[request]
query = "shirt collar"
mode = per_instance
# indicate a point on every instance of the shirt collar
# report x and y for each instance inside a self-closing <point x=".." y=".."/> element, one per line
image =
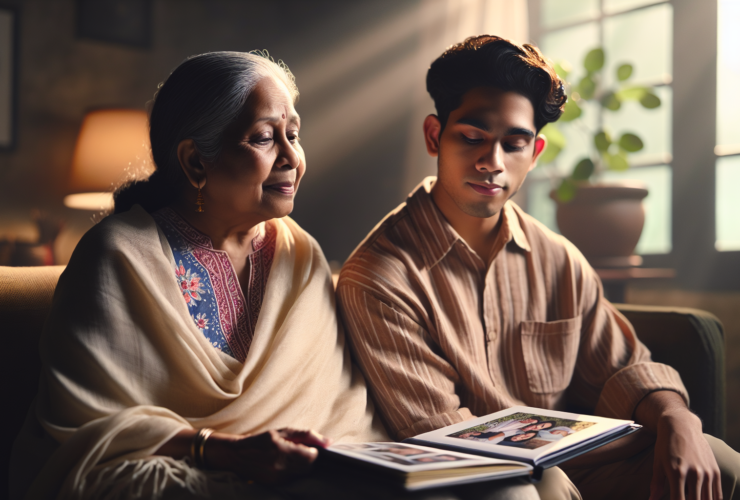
<point x="437" y="236"/>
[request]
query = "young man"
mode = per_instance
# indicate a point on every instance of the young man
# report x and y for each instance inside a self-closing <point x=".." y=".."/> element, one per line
<point x="458" y="304"/>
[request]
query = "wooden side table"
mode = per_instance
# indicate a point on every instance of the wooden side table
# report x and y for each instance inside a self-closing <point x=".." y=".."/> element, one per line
<point x="615" y="279"/>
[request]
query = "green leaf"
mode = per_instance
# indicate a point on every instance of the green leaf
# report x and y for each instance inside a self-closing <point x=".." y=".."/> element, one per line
<point x="566" y="191"/>
<point x="632" y="93"/>
<point x="563" y="69"/>
<point x="555" y="143"/>
<point x="549" y="154"/>
<point x="624" y="72"/>
<point x="583" y="170"/>
<point x="650" y="100"/>
<point x="554" y="136"/>
<point x="594" y="60"/>
<point x="617" y="161"/>
<point x="586" y="87"/>
<point x="571" y="111"/>
<point x="611" y="101"/>
<point x="630" y="142"/>
<point x="602" y="141"/>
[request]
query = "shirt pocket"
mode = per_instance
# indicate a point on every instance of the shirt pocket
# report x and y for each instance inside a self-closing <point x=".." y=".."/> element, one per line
<point x="550" y="350"/>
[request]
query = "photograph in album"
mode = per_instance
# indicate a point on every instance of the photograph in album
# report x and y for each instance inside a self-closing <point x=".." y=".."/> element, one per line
<point x="522" y="430"/>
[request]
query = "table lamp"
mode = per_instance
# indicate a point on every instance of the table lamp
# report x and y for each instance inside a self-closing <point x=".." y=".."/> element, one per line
<point x="112" y="147"/>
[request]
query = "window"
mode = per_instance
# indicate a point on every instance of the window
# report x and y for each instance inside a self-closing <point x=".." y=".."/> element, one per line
<point x="728" y="126"/>
<point x="634" y="31"/>
<point x="691" y="159"/>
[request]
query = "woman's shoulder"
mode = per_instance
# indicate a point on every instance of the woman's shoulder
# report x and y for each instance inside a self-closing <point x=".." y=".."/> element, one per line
<point x="131" y="231"/>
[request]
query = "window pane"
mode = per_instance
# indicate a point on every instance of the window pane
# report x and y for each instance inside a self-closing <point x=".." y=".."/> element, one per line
<point x="656" y="235"/>
<point x="571" y="45"/>
<point x="642" y="38"/>
<point x="728" y="203"/>
<point x="653" y="126"/>
<point x="579" y="139"/>
<point x="557" y="12"/>
<point x="539" y="204"/>
<point x="728" y="73"/>
<point x="612" y="6"/>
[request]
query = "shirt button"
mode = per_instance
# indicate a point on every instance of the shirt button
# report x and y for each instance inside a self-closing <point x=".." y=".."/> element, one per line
<point x="491" y="335"/>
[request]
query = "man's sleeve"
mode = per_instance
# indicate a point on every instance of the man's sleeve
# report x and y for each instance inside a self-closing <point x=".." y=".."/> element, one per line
<point x="413" y="387"/>
<point x="614" y="371"/>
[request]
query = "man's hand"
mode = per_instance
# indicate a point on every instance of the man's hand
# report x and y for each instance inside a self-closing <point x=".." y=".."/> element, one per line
<point x="683" y="458"/>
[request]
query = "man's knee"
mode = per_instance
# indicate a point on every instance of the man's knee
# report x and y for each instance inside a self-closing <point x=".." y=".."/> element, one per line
<point x="555" y="485"/>
<point x="728" y="461"/>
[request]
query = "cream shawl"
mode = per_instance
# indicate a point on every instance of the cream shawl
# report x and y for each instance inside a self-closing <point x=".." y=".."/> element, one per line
<point x="125" y="368"/>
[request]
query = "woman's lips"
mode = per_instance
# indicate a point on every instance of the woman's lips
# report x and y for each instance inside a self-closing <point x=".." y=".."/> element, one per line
<point x="282" y="187"/>
<point x="486" y="189"/>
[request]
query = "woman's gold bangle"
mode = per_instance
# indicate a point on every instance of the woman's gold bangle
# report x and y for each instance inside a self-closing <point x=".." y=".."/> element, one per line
<point x="197" y="447"/>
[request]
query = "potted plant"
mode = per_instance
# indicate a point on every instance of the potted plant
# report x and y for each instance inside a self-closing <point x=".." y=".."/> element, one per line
<point x="603" y="220"/>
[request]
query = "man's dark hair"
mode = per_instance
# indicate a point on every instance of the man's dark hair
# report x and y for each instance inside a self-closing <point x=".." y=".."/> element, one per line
<point x="492" y="61"/>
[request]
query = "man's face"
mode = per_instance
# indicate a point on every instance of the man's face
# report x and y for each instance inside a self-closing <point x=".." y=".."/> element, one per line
<point x="485" y="151"/>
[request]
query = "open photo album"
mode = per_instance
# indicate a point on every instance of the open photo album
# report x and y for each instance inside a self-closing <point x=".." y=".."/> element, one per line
<point x="518" y="441"/>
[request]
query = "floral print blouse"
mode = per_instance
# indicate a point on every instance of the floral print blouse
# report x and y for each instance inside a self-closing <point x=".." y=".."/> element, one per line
<point x="209" y="284"/>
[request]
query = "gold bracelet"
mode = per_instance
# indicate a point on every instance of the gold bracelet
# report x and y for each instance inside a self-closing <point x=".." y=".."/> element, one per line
<point x="197" y="447"/>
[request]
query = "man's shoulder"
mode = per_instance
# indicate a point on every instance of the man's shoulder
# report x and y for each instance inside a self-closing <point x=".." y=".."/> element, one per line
<point x="545" y="242"/>
<point x="388" y="239"/>
<point x="387" y="256"/>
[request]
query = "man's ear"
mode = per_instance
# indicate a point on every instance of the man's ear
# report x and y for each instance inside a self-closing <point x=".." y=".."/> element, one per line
<point x="540" y="143"/>
<point x="191" y="163"/>
<point x="432" y="129"/>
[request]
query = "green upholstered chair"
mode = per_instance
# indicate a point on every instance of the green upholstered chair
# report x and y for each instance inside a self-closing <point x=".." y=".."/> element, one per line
<point x="692" y="342"/>
<point x="689" y="340"/>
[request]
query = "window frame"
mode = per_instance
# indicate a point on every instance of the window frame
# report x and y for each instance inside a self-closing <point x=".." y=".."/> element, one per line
<point x="698" y="264"/>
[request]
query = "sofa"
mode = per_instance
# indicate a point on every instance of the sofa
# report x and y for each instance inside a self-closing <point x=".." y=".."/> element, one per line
<point x="689" y="340"/>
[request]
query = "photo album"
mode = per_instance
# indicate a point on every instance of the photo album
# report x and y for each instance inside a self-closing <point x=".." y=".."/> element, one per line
<point x="518" y="441"/>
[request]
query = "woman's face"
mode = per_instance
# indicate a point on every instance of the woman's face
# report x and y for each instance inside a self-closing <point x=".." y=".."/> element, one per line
<point x="523" y="437"/>
<point x="261" y="162"/>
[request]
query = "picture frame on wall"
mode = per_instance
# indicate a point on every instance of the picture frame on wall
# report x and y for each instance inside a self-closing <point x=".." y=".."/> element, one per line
<point x="8" y="76"/>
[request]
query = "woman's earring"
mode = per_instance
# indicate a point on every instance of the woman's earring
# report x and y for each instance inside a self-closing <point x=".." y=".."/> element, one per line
<point x="200" y="202"/>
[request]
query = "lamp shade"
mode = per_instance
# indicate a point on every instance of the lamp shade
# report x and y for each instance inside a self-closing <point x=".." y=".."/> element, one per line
<point x="112" y="146"/>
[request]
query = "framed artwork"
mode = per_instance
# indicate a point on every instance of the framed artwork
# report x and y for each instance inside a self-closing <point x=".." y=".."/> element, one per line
<point x="125" y="22"/>
<point x="8" y="76"/>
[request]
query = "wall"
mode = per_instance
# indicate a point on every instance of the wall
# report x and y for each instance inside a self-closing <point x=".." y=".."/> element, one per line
<point x="359" y="65"/>
<point x="62" y="76"/>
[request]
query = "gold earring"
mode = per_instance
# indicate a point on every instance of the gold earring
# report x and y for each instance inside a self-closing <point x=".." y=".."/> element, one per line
<point x="200" y="202"/>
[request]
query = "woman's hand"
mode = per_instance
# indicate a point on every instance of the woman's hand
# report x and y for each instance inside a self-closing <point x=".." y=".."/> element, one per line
<point x="269" y="457"/>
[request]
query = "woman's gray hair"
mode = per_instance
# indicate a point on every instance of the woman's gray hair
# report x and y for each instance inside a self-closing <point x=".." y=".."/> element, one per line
<point x="199" y="100"/>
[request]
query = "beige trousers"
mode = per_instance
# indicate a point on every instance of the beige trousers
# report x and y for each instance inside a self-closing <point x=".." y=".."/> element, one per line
<point x="630" y="479"/>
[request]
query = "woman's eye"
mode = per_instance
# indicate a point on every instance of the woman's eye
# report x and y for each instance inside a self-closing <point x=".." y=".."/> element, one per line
<point x="293" y="138"/>
<point x="262" y="140"/>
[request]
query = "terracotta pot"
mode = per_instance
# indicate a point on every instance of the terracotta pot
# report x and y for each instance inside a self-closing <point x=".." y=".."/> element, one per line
<point x="605" y="222"/>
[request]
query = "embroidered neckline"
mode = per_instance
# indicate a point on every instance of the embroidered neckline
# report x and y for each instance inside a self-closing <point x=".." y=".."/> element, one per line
<point x="198" y="238"/>
<point x="212" y="289"/>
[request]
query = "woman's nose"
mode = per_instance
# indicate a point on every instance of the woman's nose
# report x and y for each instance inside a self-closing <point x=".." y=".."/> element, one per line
<point x="289" y="154"/>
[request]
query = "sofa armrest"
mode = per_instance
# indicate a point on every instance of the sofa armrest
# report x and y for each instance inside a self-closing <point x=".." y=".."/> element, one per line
<point x="692" y="342"/>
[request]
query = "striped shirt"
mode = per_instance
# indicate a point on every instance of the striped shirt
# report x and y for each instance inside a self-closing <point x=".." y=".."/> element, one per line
<point x="441" y="336"/>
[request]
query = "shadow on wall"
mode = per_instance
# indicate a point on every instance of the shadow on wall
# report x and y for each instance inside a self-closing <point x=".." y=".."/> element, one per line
<point x="360" y="67"/>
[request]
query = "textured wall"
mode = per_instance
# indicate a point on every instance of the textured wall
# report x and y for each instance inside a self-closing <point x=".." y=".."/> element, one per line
<point x="348" y="57"/>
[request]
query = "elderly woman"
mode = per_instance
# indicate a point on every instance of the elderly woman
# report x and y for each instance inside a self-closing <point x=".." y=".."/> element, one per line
<point x="197" y="323"/>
